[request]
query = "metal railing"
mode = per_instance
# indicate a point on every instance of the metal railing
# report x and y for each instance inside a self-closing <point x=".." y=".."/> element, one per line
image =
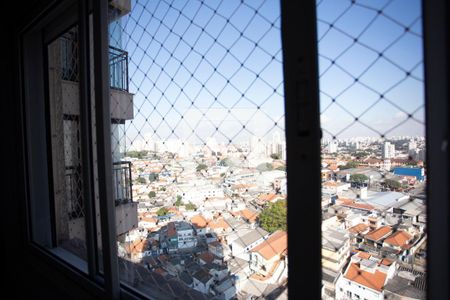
<point x="122" y="187"/>
<point x="118" y="63"/>
<point x="122" y="182"/>
<point x="75" y="207"/>
<point x="118" y="67"/>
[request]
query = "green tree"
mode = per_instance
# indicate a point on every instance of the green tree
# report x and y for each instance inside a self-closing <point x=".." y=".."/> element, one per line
<point x="163" y="188"/>
<point x="281" y="168"/>
<point x="350" y="165"/>
<point x="201" y="167"/>
<point x="275" y="156"/>
<point x="141" y="180"/>
<point x="137" y="154"/>
<point x="392" y="184"/>
<point x="153" y="177"/>
<point x="191" y="206"/>
<point x="152" y="194"/>
<point x="179" y="202"/>
<point x="358" y="178"/>
<point x="162" y="212"/>
<point x="274" y="217"/>
<point x="361" y="154"/>
<point x="140" y="170"/>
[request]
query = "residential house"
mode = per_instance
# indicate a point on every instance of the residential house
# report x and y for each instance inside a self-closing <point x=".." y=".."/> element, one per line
<point x="202" y="281"/>
<point x="241" y="246"/>
<point x="364" y="278"/>
<point x="375" y="237"/>
<point x="265" y="257"/>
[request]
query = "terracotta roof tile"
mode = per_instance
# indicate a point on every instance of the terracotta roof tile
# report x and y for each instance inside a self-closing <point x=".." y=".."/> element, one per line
<point x="374" y="280"/>
<point x="379" y="233"/>
<point x="249" y="215"/>
<point x="399" y="239"/>
<point x="199" y="221"/>
<point x="276" y="244"/>
<point x="359" y="228"/>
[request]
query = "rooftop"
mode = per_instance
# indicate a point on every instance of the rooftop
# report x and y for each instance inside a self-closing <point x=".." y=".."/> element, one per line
<point x="358" y="228"/>
<point x="333" y="239"/>
<point x="276" y="244"/>
<point x="379" y="233"/>
<point x="384" y="199"/>
<point x="371" y="280"/>
<point x="399" y="239"/>
<point x="251" y="237"/>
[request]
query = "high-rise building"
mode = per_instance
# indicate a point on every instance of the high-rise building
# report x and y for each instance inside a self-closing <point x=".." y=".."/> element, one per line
<point x="65" y="126"/>
<point x="388" y="150"/>
<point x="332" y="146"/>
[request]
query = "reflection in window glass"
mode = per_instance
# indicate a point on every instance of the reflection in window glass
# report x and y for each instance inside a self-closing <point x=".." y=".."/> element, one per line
<point x="63" y="103"/>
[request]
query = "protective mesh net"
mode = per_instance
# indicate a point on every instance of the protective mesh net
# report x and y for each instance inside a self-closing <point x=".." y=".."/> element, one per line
<point x="204" y="133"/>
<point x="373" y="146"/>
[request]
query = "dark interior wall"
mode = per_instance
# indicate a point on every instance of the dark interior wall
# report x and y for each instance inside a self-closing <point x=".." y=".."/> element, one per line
<point x="26" y="276"/>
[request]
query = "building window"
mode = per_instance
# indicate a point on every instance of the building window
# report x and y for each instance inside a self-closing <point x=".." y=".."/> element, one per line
<point x="76" y="188"/>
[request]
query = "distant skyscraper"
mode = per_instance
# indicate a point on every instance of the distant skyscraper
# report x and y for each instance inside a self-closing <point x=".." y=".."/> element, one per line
<point x="332" y="146"/>
<point x="388" y="150"/>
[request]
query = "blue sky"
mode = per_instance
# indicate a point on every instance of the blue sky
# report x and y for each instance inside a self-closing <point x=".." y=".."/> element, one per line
<point x="201" y="70"/>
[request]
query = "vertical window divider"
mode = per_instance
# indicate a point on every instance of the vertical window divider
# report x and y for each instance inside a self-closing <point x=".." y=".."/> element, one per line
<point x="436" y="71"/>
<point x="301" y="90"/>
<point x="103" y="138"/>
<point x="86" y="139"/>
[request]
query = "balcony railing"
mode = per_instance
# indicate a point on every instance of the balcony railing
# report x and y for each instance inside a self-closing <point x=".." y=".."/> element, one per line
<point x="122" y="182"/>
<point x="118" y="62"/>
<point x="118" y="67"/>
<point x="75" y="207"/>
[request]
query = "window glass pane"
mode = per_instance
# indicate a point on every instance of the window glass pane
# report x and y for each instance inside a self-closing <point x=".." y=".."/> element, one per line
<point x="198" y="145"/>
<point x="66" y="160"/>
<point x="373" y="149"/>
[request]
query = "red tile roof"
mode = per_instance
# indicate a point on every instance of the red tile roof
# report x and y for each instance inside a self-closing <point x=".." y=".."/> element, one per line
<point x="358" y="228"/>
<point x="207" y="257"/>
<point x="276" y="244"/>
<point x="249" y="215"/>
<point x="379" y="233"/>
<point x="357" y="205"/>
<point x="374" y="280"/>
<point x="218" y="223"/>
<point x="199" y="221"/>
<point x="399" y="239"/>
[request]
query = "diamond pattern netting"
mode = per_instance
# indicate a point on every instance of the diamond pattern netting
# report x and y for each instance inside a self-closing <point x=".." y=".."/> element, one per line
<point x="208" y="110"/>
<point x="363" y="77"/>
<point x="371" y="92"/>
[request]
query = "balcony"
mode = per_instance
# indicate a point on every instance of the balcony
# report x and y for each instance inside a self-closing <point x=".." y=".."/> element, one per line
<point x="126" y="209"/>
<point x="121" y="99"/>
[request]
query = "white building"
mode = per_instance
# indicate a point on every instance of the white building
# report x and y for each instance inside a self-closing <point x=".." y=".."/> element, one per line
<point x="198" y="194"/>
<point x="332" y="146"/>
<point x="265" y="257"/>
<point x="364" y="278"/>
<point x="388" y="150"/>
